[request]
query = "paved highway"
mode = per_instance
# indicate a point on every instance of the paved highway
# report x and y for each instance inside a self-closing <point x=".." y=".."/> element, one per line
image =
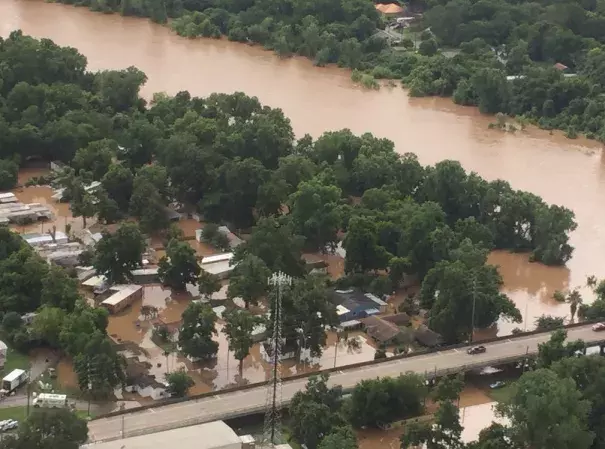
<point x="241" y="403"/>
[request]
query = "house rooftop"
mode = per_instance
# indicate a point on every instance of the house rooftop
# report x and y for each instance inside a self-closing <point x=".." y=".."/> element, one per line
<point x="400" y="319"/>
<point x="427" y="337"/>
<point x="353" y="299"/>
<point x="380" y="330"/>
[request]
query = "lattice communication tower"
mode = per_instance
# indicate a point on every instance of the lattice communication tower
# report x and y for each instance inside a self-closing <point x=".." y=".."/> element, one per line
<point x="272" y="429"/>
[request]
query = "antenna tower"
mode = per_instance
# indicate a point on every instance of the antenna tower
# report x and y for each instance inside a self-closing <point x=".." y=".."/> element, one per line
<point x="272" y="429"/>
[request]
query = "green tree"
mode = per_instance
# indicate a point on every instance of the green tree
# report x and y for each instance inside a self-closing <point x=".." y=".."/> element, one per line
<point x="117" y="182"/>
<point x="548" y="323"/>
<point x="428" y="47"/>
<point x="47" y="325"/>
<point x="60" y="290"/>
<point x="9" y="172"/>
<point x="179" y="383"/>
<point x="208" y="284"/>
<point x="315" y="411"/>
<point x="83" y="205"/>
<point x="198" y="328"/>
<point x="46" y="428"/>
<point x="444" y="433"/>
<point x="546" y="411"/>
<point x="275" y="242"/>
<point x="107" y="209"/>
<point x="239" y="325"/>
<point x="99" y="367"/>
<point x="118" y="254"/>
<point x="380" y="401"/>
<point x="557" y="348"/>
<point x="95" y="158"/>
<point x="179" y="266"/>
<point x="492" y="89"/>
<point x="453" y="289"/>
<point x="249" y="280"/>
<point x="315" y="214"/>
<point x="363" y="248"/>
<point x="589" y="375"/>
<point x="340" y="438"/>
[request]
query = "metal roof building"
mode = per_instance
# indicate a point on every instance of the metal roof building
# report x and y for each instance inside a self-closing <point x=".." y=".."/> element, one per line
<point x="212" y="435"/>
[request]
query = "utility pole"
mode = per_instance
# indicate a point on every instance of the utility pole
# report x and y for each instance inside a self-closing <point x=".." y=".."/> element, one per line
<point x="29" y="376"/>
<point x="272" y="427"/>
<point x="474" y="303"/>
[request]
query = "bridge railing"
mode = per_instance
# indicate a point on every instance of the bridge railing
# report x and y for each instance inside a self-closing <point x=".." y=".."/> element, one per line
<point x="426" y="351"/>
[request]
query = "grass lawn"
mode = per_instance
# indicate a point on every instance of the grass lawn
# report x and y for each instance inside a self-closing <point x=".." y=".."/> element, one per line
<point x="20" y="413"/>
<point x="15" y="360"/>
<point x="501" y="394"/>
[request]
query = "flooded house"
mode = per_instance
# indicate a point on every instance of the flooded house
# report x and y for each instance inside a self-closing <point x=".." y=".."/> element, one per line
<point x="383" y="332"/>
<point x="427" y="337"/>
<point x="288" y="351"/>
<point x="121" y="297"/>
<point x="138" y="380"/>
<point x="13" y="211"/>
<point x="353" y="305"/>
<point x="219" y="265"/>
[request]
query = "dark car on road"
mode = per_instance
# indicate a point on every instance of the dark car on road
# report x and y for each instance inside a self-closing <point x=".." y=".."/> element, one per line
<point x="476" y="350"/>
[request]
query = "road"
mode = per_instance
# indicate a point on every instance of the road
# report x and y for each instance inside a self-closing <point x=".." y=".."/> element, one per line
<point x="241" y="403"/>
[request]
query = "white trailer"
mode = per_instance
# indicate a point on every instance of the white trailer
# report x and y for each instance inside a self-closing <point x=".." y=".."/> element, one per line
<point x="50" y="400"/>
<point x="14" y="380"/>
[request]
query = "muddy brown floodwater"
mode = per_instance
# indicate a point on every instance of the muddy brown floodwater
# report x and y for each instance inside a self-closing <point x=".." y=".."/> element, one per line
<point x="562" y="171"/>
<point x="566" y="172"/>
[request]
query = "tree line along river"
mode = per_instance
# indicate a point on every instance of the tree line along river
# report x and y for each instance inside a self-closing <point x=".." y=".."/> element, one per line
<point x="561" y="171"/>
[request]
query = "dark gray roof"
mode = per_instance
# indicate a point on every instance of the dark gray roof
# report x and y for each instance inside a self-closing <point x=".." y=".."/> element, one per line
<point x="427" y="337"/>
<point x="354" y="299"/>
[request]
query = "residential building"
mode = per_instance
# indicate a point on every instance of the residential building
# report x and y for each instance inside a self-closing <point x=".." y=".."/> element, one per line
<point x="138" y="380"/>
<point x="37" y="239"/>
<point x="211" y="435"/>
<point x="427" y="337"/>
<point x="288" y="351"/>
<point x="382" y="331"/>
<point x="353" y="305"/>
<point x="12" y="211"/>
<point x="219" y="264"/>
<point x="122" y="296"/>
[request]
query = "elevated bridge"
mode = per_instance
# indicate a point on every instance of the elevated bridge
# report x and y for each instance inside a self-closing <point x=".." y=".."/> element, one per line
<point x="229" y="404"/>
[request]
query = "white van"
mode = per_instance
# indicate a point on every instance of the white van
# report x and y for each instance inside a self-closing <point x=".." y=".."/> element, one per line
<point x="50" y="400"/>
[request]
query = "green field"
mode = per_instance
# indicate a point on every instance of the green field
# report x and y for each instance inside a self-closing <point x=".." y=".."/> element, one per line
<point x="501" y="394"/>
<point x="20" y="413"/>
<point x="15" y="360"/>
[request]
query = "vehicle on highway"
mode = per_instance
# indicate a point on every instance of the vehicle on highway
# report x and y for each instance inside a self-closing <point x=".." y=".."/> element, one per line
<point x="598" y="327"/>
<point x="476" y="350"/>
<point x="498" y="384"/>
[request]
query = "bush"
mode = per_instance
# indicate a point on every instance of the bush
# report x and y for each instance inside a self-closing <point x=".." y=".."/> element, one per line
<point x="428" y="47"/>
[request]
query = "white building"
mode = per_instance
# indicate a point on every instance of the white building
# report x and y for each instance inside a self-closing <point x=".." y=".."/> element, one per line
<point x="219" y="265"/>
<point x="212" y="435"/>
<point x="122" y="297"/>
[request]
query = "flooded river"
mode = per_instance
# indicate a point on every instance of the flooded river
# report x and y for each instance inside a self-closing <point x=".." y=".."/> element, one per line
<point x="562" y="171"/>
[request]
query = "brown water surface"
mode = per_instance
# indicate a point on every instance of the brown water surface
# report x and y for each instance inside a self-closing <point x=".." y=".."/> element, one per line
<point x="562" y="171"/>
